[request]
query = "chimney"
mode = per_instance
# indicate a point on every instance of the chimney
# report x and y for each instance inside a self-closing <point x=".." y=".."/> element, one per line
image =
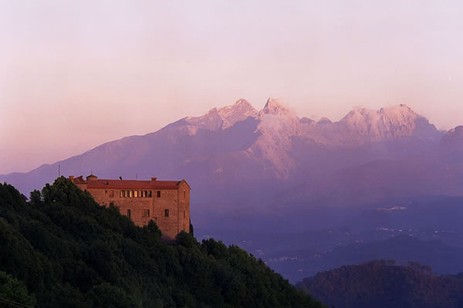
<point x="92" y="177"/>
<point x="154" y="179"/>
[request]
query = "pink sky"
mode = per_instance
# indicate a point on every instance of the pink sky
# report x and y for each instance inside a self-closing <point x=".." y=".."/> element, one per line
<point x="75" y="74"/>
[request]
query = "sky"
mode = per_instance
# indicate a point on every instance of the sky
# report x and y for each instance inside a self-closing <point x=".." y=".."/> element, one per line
<point x="76" y="74"/>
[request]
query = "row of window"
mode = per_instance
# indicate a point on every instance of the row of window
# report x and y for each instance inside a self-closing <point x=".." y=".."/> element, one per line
<point x="138" y="194"/>
<point x="146" y="213"/>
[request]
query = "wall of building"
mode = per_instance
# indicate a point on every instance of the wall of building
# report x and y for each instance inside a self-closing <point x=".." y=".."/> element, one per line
<point x="184" y="207"/>
<point x="169" y="208"/>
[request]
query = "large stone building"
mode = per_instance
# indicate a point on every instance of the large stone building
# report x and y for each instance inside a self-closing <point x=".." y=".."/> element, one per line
<point x="165" y="202"/>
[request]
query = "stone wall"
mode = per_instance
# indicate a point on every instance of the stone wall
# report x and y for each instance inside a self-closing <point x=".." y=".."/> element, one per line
<point x="169" y="208"/>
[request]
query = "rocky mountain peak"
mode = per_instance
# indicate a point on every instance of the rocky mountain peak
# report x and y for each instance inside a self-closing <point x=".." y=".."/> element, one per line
<point x="237" y="112"/>
<point x="210" y="121"/>
<point x="454" y="137"/>
<point x="275" y="107"/>
<point x="277" y="125"/>
<point x="222" y="118"/>
<point x="399" y="114"/>
<point x="386" y="123"/>
<point x="359" y="115"/>
<point x="456" y="132"/>
<point x="324" y="120"/>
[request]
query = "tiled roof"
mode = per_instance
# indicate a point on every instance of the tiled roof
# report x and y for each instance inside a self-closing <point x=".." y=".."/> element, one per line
<point x="127" y="184"/>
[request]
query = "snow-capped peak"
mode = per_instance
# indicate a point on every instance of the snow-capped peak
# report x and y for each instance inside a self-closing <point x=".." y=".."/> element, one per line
<point x="359" y="115"/>
<point x="397" y="121"/>
<point x="240" y="111"/>
<point x="224" y="117"/>
<point x="277" y="125"/>
<point x="399" y="114"/>
<point x="275" y="107"/>
<point x="277" y="117"/>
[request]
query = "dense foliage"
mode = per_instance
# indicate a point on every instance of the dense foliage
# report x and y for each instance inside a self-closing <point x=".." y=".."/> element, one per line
<point x="385" y="284"/>
<point x="63" y="250"/>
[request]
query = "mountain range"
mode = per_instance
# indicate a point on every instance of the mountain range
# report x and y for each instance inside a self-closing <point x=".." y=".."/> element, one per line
<point x="258" y="171"/>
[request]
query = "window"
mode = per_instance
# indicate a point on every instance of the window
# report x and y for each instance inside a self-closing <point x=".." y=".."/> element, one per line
<point x="130" y="193"/>
<point x="135" y="194"/>
<point x="129" y="213"/>
<point x="158" y="194"/>
<point x="166" y="213"/>
<point x="145" y="213"/>
<point x="150" y="194"/>
<point x="184" y="194"/>
<point x="111" y="194"/>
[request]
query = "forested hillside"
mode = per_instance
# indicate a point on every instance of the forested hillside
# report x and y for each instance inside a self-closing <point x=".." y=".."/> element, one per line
<point x="60" y="249"/>
<point x="385" y="284"/>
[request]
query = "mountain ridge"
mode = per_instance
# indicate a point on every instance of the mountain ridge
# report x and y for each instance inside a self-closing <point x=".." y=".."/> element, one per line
<point x="255" y="169"/>
<point x="267" y="138"/>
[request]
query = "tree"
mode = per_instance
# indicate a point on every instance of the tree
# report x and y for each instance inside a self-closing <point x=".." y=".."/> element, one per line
<point x="70" y="252"/>
<point x="35" y="197"/>
<point x="13" y="293"/>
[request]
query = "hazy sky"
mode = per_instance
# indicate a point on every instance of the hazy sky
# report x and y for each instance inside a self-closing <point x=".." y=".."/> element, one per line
<point x="75" y="74"/>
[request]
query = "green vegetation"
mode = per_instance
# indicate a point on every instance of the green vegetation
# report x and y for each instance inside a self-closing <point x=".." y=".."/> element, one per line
<point x="61" y="249"/>
<point x="385" y="284"/>
<point x="13" y="293"/>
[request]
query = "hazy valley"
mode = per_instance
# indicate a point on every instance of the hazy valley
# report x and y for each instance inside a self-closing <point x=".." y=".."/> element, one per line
<point x="302" y="195"/>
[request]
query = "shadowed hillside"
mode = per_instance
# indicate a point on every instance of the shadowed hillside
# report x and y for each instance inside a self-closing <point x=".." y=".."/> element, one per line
<point x="69" y="252"/>
<point x="383" y="284"/>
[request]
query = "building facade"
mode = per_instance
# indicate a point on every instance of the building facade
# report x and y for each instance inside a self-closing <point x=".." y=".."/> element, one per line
<point x="165" y="202"/>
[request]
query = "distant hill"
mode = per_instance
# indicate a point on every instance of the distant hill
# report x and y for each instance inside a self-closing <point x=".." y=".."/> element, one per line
<point x="61" y="249"/>
<point x="385" y="284"/>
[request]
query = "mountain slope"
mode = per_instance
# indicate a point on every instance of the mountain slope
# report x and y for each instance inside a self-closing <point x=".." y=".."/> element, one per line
<point x="243" y="163"/>
<point x="245" y="145"/>
<point x="387" y="123"/>
<point x="70" y="252"/>
<point x="254" y="170"/>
